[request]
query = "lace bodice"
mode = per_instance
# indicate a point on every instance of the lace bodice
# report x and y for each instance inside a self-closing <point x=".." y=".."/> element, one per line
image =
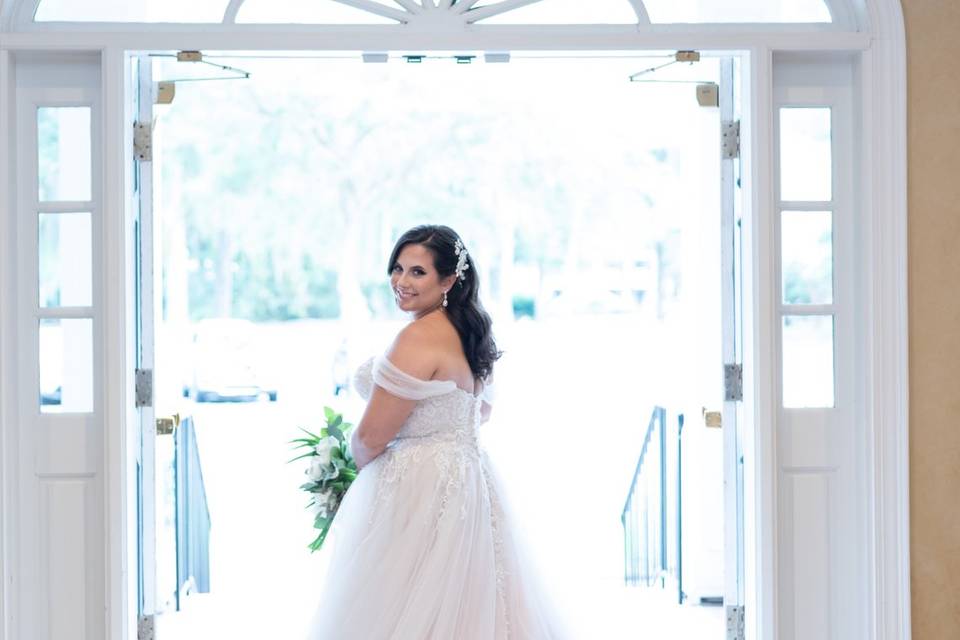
<point x="443" y="409"/>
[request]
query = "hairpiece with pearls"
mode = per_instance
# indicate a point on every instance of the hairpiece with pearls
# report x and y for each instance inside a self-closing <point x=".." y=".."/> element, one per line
<point x="462" y="265"/>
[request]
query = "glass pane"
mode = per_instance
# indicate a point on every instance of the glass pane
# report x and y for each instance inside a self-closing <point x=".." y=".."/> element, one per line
<point x="807" y="361"/>
<point x="568" y="12"/>
<point x="63" y="151"/>
<point x="131" y="11"/>
<point x="737" y="11"/>
<point x="806" y="166"/>
<point x="308" y="12"/>
<point x="66" y="365"/>
<point x="65" y="244"/>
<point x="806" y="250"/>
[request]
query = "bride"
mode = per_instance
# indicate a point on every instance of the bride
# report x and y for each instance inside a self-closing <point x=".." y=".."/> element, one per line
<point x="423" y="546"/>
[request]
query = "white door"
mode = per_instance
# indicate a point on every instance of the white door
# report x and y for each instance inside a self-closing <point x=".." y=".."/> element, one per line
<point x="150" y="600"/>
<point x="56" y="447"/>
<point x="169" y="511"/>
<point x="821" y="485"/>
<point x="731" y="340"/>
<point x="142" y="205"/>
<point x="702" y="460"/>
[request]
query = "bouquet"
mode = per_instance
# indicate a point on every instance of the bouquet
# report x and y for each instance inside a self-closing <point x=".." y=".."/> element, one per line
<point x="331" y="470"/>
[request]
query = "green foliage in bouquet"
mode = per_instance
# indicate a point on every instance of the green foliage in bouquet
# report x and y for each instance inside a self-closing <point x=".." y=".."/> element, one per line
<point x="331" y="470"/>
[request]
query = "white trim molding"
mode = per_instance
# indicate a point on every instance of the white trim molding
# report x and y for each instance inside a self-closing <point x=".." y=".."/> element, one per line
<point x="121" y="417"/>
<point x="884" y="85"/>
<point x="494" y="38"/>
<point x="759" y="318"/>
<point x="8" y="353"/>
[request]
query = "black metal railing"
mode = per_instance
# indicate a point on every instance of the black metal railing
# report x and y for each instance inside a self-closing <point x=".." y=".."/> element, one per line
<point x="192" y="515"/>
<point x="652" y="517"/>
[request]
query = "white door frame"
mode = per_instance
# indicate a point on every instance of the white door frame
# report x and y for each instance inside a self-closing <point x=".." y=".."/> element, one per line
<point x="882" y="111"/>
<point x="8" y="347"/>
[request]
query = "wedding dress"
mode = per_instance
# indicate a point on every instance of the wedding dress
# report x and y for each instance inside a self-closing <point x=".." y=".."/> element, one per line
<point x="422" y="547"/>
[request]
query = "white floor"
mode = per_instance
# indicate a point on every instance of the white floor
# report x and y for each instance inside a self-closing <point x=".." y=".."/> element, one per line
<point x="617" y="615"/>
<point x="264" y="582"/>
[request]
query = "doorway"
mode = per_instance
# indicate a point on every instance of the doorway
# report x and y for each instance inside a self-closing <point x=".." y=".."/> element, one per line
<point x="592" y="205"/>
<point x="67" y="481"/>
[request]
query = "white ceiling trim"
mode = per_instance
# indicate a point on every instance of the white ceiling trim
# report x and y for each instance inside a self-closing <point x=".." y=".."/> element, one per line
<point x="245" y="37"/>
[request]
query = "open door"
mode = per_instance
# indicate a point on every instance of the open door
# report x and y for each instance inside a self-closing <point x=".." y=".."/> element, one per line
<point x="692" y="455"/>
<point x="142" y="95"/>
<point x="732" y="422"/>
<point x="173" y="521"/>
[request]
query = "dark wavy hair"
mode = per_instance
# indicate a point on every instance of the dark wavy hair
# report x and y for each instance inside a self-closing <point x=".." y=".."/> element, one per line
<point x="468" y="316"/>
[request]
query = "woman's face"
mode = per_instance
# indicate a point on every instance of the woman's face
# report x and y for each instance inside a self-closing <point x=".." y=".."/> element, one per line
<point x="416" y="284"/>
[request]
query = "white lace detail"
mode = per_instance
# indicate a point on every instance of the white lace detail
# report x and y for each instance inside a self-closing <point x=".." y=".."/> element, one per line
<point x="498" y="544"/>
<point x="442" y="428"/>
<point x="453" y="457"/>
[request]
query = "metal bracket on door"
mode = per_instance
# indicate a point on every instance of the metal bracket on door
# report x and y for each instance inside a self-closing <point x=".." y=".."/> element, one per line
<point x="143" y="141"/>
<point x="730" y="138"/>
<point x="166" y="426"/>
<point x="733" y="382"/>
<point x="143" y="386"/>
<point x="146" y="630"/>
<point x="735" y="622"/>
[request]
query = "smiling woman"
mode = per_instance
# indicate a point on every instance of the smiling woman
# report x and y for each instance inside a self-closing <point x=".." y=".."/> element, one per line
<point x="431" y="269"/>
<point x="424" y="536"/>
<point x="416" y="283"/>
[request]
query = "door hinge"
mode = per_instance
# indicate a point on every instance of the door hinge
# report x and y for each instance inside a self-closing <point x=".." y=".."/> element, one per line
<point x="143" y="385"/>
<point x="143" y="141"/>
<point x="146" y="628"/>
<point x="732" y="382"/>
<point x="735" y="622"/>
<point x="730" y="139"/>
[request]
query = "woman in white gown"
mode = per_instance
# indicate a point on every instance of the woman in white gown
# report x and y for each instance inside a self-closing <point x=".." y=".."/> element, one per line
<point x="423" y="546"/>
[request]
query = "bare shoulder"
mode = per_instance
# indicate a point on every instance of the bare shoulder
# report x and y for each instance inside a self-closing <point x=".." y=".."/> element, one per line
<point x="414" y="350"/>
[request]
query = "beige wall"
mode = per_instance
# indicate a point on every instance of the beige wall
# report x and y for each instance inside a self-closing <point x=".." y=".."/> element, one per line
<point x="933" y="78"/>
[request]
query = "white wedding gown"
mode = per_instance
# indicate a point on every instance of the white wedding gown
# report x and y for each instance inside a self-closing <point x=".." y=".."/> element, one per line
<point x="423" y="545"/>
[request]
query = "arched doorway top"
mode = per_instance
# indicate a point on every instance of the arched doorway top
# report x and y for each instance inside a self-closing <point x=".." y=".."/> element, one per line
<point x="443" y="15"/>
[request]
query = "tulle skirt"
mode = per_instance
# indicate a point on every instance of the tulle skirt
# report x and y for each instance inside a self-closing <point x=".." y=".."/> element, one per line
<point x="423" y="547"/>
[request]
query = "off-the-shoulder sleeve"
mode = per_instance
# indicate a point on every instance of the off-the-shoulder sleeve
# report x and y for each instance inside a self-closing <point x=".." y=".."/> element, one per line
<point x="488" y="393"/>
<point x="403" y="385"/>
<point x="363" y="378"/>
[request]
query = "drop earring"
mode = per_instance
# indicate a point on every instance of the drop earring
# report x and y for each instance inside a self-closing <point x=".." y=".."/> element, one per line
<point x="444" y="298"/>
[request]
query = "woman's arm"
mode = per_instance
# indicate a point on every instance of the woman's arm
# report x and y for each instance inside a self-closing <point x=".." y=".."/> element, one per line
<point x="382" y="419"/>
<point x="385" y="412"/>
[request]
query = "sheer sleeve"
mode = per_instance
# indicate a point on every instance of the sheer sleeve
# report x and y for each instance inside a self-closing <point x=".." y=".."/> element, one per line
<point x="488" y="394"/>
<point x="363" y="378"/>
<point x="403" y="385"/>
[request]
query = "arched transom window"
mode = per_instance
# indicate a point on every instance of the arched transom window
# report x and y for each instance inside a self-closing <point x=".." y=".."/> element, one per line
<point x="436" y="13"/>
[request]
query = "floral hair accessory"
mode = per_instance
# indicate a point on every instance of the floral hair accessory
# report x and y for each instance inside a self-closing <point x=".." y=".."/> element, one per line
<point x="462" y="265"/>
